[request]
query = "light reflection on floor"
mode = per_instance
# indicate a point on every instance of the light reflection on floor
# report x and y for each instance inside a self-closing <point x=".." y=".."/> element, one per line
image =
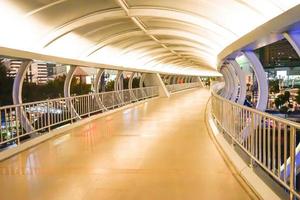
<point x="157" y="151"/>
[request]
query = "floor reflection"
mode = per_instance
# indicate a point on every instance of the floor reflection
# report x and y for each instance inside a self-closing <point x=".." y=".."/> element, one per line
<point x="157" y="150"/>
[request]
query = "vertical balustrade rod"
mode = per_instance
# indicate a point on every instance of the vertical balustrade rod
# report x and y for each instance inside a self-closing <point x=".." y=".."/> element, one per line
<point x="292" y="162"/>
<point x="48" y="116"/>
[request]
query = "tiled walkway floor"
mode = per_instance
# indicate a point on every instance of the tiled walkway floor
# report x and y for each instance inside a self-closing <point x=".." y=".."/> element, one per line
<point x="159" y="150"/>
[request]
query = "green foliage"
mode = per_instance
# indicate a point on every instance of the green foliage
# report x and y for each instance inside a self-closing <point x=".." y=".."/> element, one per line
<point x="109" y="85"/>
<point x="80" y="89"/>
<point x="125" y="83"/>
<point x="6" y="84"/>
<point x="136" y="82"/>
<point x="53" y="89"/>
<point x="5" y="135"/>
<point x="274" y="86"/>
<point x="281" y="100"/>
<point x="32" y="92"/>
<point x="287" y="96"/>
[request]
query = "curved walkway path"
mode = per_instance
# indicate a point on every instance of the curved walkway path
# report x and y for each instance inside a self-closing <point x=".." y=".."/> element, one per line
<point x="158" y="150"/>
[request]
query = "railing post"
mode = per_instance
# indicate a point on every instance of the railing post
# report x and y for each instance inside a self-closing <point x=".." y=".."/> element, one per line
<point x="222" y="109"/>
<point x="252" y="130"/>
<point x="70" y="107"/>
<point x="152" y="91"/>
<point x="292" y="162"/>
<point x="48" y="116"/>
<point x="17" y="125"/>
<point x="89" y="109"/>
<point x="102" y="101"/>
<point x="256" y="133"/>
<point x="232" y="126"/>
<point x="113" y="99"/>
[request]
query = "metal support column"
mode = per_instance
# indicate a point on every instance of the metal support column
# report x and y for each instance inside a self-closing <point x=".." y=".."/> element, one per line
<point x="118" y="86"/>
<point x="177" y="78"/>
<point x="97" y="85"/>
<point x="130" y="86"/>
<point x="294" y="39"/>
<point x="174" y="80"/>
<point x="17" y="95"/>
<point x="131" y="80"/>
<point x="142" y="80"/>
<point x="234" y="82"/>
<point x="67" y="91"/>
<point x="223" y="91"/>
<point x="169" y="80"/>
<point x="143" y="75"/>
<point x="200" y="81"/>
<point x="155" y="80"/>
<point x="231" y="85"/>
<point x="185" y="80"/>
<point x="227" y="84"/>
<point x="242" y="81"/>
<point x="263" y="88"/>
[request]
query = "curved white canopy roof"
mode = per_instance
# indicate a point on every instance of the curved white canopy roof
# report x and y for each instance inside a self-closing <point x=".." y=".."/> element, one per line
<point x="162" y="35"/>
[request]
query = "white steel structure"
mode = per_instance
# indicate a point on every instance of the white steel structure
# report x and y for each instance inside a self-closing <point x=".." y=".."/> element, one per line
<point x="166" y="45"/>
<point x="132" y="34"/>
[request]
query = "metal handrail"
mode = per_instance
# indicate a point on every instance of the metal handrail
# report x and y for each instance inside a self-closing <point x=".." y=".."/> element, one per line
<point x="291" y="123"/>
<point x="182" y="86"/>
<point x="44" y="116"/>
<point x="83" y="95"/>
<point x="269" y="141"/>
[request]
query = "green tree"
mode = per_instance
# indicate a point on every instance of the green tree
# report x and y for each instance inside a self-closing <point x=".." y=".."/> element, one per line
<point x="55" y="88"/>
<point x="280" y="100"/>
<point x="136" y="82"/>
<point x="52" y="89"/>
<point x="6" y="84"/>
<point x="274" y="86"/>
<point x="109" y="86"/>
<point x="80" y="88"/>
<point x="125" y="83"/>
<point x="287" y="96"/>
<point x="32" y="92"/>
